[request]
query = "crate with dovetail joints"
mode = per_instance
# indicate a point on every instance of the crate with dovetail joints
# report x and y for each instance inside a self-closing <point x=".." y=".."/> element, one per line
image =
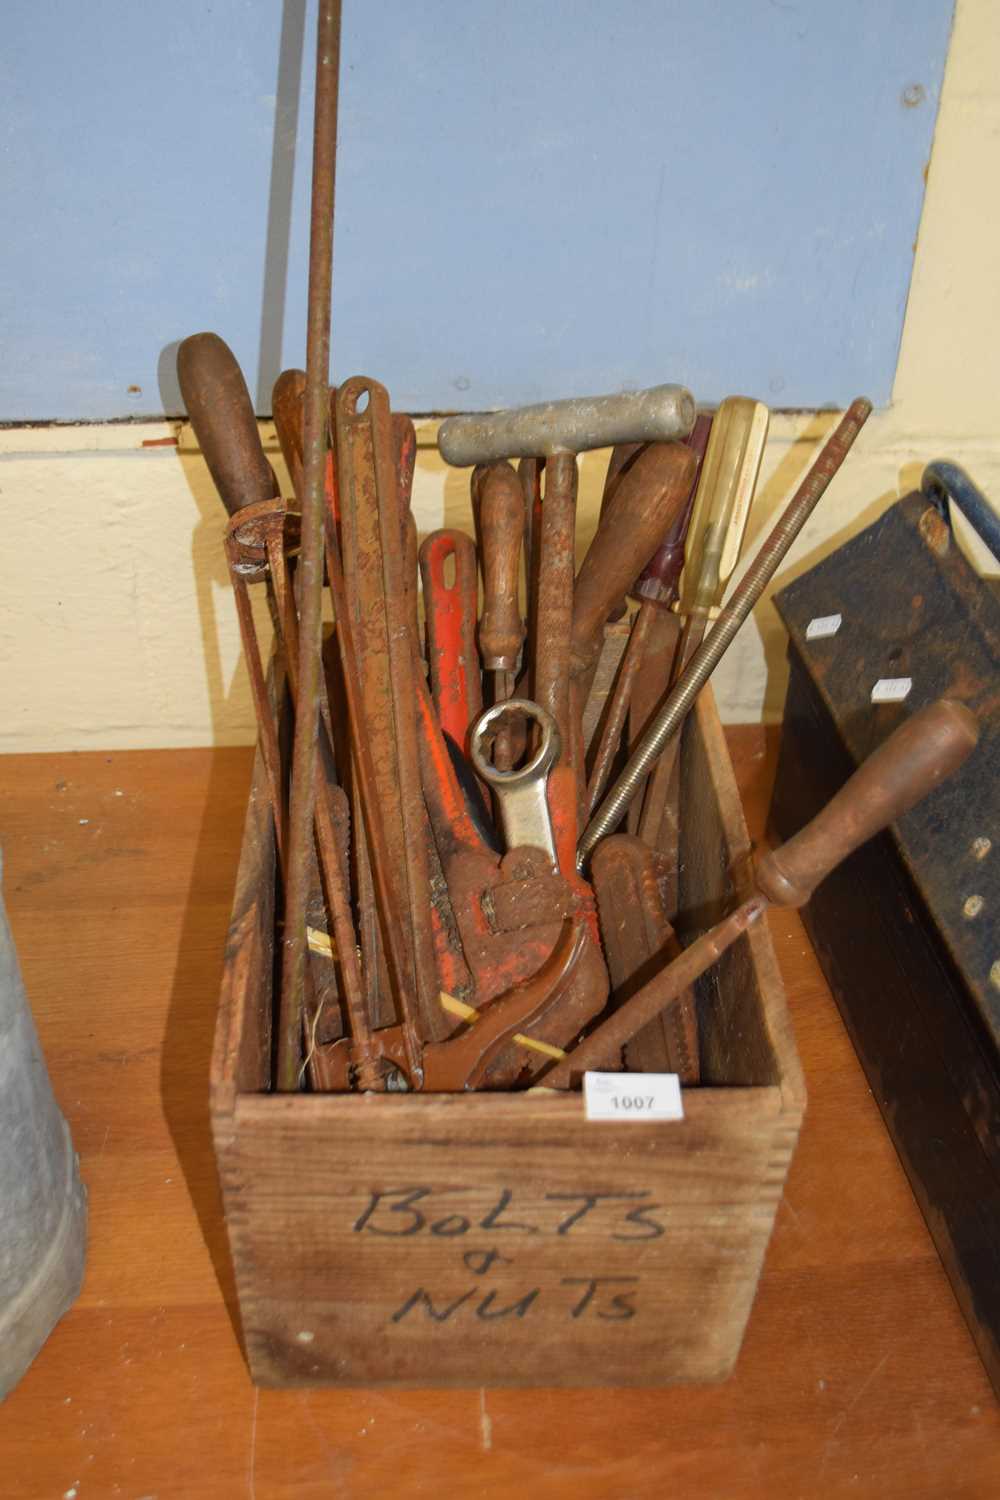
<point x="501" y="1238"/>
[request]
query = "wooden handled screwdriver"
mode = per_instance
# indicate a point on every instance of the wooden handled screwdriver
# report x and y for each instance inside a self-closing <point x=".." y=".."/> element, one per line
<point x="649" y="655"/>
<point x="500" y="514"/>
<point x="918" y="756"/>
<point x="718" y="524"/>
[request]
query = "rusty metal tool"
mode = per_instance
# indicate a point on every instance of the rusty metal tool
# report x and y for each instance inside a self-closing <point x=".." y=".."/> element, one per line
<point x="661" y="412"/>
<point x="287" y="399"/>
<point x="649" y="655"/>
<point x="558" y="431"/>
<point x="450" y="623"/>
<point x="637" y="938"/>
<point x="718" y="524"/>
<point x="919" y="755"/>
<point x="500" y="528"/>
<point x="380" y="630"/>
<point x="469" y="1058"/>
<point x="507" y="912"/>
<point x="310" y="568"/>
<point x="223" y="417"/>
<point x="679" y="701"/>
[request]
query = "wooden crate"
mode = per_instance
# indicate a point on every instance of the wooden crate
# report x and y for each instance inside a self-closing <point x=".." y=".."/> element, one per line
<point x="500" y="1239"/>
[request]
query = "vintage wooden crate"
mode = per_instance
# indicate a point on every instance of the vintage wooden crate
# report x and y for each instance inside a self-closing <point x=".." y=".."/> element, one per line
<point x="500" y="1239"/>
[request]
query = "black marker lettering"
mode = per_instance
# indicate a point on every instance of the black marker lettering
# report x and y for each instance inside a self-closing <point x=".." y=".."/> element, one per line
<point x="407" y="1196"/>
<point x="652" y="1227"/>
<point x="518" y="1308"/>
<point x="592" y="1283"/>
<point x="493" y="1220"/>
<point x="439" y="1315"/>
<point x="589" y="1202"/>
<point x="481" y="1261"/>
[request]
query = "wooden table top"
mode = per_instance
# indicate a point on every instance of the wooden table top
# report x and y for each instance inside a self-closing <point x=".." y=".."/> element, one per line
<point x="857" y="1378"/>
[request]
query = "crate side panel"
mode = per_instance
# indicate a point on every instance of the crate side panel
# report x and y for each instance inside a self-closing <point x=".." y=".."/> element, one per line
<point x="477" y="1240"/>
<point x="745" y="1028"/>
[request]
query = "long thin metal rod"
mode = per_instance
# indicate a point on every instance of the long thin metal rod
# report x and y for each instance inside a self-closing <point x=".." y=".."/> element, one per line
<point x="678" y="704"/>
<point x="310" y="570"/>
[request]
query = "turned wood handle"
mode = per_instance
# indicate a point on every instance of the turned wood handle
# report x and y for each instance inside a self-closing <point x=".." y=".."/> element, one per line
<point x="659" y="581"/>
<point x="912" y="761"/>
<point x="287" y="405"/>
<point x="501" y="530"/>
<point x="645" y="502"/>
<point x="222" y="415"/>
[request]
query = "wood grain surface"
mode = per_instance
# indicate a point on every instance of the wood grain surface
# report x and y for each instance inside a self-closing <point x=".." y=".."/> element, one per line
<point x="857" y="1377"/>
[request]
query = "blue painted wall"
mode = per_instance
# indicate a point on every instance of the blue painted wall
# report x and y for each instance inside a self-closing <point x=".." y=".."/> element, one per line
<point x="532" y="200"/>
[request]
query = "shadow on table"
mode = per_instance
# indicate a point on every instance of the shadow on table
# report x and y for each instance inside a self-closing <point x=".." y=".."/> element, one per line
<point x="187" y="1042"/>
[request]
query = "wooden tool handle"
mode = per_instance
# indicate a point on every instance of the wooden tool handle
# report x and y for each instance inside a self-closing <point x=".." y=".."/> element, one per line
<point x="645" y="503"/>
<point x="287" y="401"/>
<point x="660" y="579"/>
<point x="911" y="763"/>
<point x="222" y="415"/>
<point x="501" y="530"/>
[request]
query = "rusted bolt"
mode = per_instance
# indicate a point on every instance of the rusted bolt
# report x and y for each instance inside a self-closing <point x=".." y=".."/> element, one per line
<point x="972" y="907"/>
<point x="981" y="847"/>
<point x="995" y="975"/>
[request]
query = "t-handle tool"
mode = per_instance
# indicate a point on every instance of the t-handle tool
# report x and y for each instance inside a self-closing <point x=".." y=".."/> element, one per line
<point x="583" y="422"/>
<point x="916" y="758"/>
<point x="559" y="430"/>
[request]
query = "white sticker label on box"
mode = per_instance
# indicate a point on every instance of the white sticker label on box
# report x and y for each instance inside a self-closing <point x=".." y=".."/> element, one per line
<point x="632" y="1096"/>
<point x="891" y="689"/>
<point x="823" y="625"/>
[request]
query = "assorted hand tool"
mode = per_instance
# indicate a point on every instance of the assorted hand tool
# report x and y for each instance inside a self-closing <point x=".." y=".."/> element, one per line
<point x="425" y="944"/>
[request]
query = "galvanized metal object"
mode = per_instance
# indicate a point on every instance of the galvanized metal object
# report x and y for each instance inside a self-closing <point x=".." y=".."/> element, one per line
<point x="654" y="415"/>
<point x="43" y="1225"/>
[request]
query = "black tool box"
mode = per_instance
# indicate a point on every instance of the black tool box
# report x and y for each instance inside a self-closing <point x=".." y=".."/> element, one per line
<point x="908" y="929"/>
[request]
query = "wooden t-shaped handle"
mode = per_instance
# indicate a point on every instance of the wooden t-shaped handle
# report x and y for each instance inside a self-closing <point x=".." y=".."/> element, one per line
<point x="501" y="529"/>
<point x="222" y="415"/>
<point x="911" y="762"/>
<point x="645" y="502"/>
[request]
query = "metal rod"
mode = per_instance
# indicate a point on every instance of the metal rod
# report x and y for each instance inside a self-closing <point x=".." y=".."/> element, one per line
<point x="310" y="571"/>
<point x="677" y="706"/>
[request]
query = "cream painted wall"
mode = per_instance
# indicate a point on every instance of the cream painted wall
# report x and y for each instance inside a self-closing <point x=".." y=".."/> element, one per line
<point x="117" y="626"/>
